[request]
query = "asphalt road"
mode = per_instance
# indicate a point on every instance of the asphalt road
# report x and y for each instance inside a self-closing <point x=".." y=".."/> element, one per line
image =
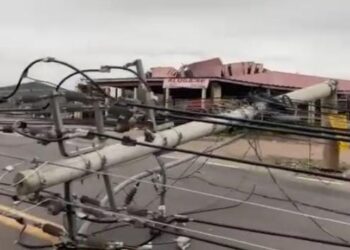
<point x="268" y="207"/>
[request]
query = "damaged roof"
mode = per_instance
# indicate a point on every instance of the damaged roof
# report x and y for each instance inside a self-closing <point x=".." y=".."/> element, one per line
<point x="239" y="73"/>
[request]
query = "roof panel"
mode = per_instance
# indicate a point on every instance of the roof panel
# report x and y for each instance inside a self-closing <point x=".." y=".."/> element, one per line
<point x="290" y="80"/>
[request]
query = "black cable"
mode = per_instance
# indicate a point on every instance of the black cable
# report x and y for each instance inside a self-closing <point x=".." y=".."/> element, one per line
<point x="16" y="129"/>
<point x="266" y="197"/>
<point x="220" y="157"/>
<point x="182" y="173"/>
<point x="298" y="209"/>
<point x="310" y="132"/>
<point x="129" y="70"/>
<point x="41" y="81"/>
<point x="82" y="72"/>
<point x="23" y="75"/>
<point x="153" y="237"/>
<point x="73" y="74"/>
<point x="90" y="80"/>
<point x="206" y="210"/>
<point x="48" y="59"/>
<point x="285" y="102"/>
<point x="179" y="232"/>
<point x="256" y="122"/>
<point x="275" y="101"/>
<point x="29" y="246"/>
<point x="181" y="176"/>
<point x="63" y="80"/>
<point x="298" y="140"/>
<point x="254" y="146"/>
<point x="206" y="240"/>
<point x="271" y="233"/>
<point x="98" y="221"/>
<point x="284" y="192"/>
<point x="174" y="232"/>
<point x="300" y="102"/>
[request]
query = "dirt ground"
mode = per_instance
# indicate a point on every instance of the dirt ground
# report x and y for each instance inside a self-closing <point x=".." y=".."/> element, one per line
<point x="296" y="151"/>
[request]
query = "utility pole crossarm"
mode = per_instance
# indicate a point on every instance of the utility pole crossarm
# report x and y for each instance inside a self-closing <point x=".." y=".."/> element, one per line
<point x="30" y="180"/>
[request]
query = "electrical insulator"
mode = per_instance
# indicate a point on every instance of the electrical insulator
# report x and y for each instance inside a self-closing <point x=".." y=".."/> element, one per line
<point x="52" y="230"/>
<point x="88" y="200"/>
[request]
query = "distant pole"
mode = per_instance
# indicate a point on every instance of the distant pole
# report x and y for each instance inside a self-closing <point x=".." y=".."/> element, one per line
<point x="167" y="97"/>
<point x="331" y="147"/>
<point x="311" y="113"/>
<point x="203" y="97"/>
<point x="135" y="94"/>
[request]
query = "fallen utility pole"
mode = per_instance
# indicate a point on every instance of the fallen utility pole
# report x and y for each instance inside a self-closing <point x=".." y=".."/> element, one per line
<point x="33" y="180"/>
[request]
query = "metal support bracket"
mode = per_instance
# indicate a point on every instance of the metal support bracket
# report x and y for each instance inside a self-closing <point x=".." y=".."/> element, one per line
<point x="146" y="98"/>
<point x="59" y="127"/>
<point x="107" y="182"/>
<point x="162" y="205"/>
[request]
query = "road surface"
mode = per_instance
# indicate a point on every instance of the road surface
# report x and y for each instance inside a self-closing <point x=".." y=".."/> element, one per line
<point x="268" y="208"/>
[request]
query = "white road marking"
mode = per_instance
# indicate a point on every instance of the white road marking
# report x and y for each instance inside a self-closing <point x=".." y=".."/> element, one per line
<point x="10" y="134"/>
<point x="320" y="180"/>
<point x="223" y="165"/>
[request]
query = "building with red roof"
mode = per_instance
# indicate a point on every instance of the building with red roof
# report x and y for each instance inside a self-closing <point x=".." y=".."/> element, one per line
<point x="219" y="80"/>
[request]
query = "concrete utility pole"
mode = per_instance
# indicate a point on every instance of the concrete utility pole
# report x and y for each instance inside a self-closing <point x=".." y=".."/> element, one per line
<point x="32" y="180"/>
<point x="331" y="147"/>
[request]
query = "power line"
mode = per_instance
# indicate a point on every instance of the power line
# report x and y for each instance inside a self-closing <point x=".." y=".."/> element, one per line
<point x="259" y="164"/>
<point x="206" y="210"/>
<point x="63" y="63"/>
<point x="298" y="209"/>
<point x="160" y="226"/>
<point x="260" y="195"/>
<point x="270" y="129"/>
<point x="207" y="194"/>
<point x="343" y="132"/>
<point x="50" y="60"/>
<point x="23" y="75"/>
<point x="215" y="196"/>
<point x="256" y="147"/>
<point x="271" y="233"/>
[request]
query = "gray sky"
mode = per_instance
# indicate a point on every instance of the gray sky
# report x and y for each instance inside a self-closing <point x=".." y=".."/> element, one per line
<point x="306" y="36"/>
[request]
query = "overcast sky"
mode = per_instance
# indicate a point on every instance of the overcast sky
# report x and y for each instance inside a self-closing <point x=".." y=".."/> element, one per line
<point x="306" y="36"/>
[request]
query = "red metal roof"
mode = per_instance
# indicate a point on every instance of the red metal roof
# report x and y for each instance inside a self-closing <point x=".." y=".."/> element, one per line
<point x="206" y="68"/>
<point x="244" y="73"/>
<point x="163" y="72"/>
<point x="289" y="80"/>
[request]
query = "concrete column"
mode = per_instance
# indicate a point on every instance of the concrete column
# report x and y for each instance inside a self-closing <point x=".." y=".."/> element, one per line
<point x="331" y="148"/>
<point x="268" y="92"/>
<point x="311" y="112"/>
<point x="78" y="115"/>
<point x="120" y="92"/>
<point x="203" y="97"/>
<point x="215" y="91"/>
<point x="166" y="97"/>
<point x="135" y="93"/>
<point x="113" y="92"/>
